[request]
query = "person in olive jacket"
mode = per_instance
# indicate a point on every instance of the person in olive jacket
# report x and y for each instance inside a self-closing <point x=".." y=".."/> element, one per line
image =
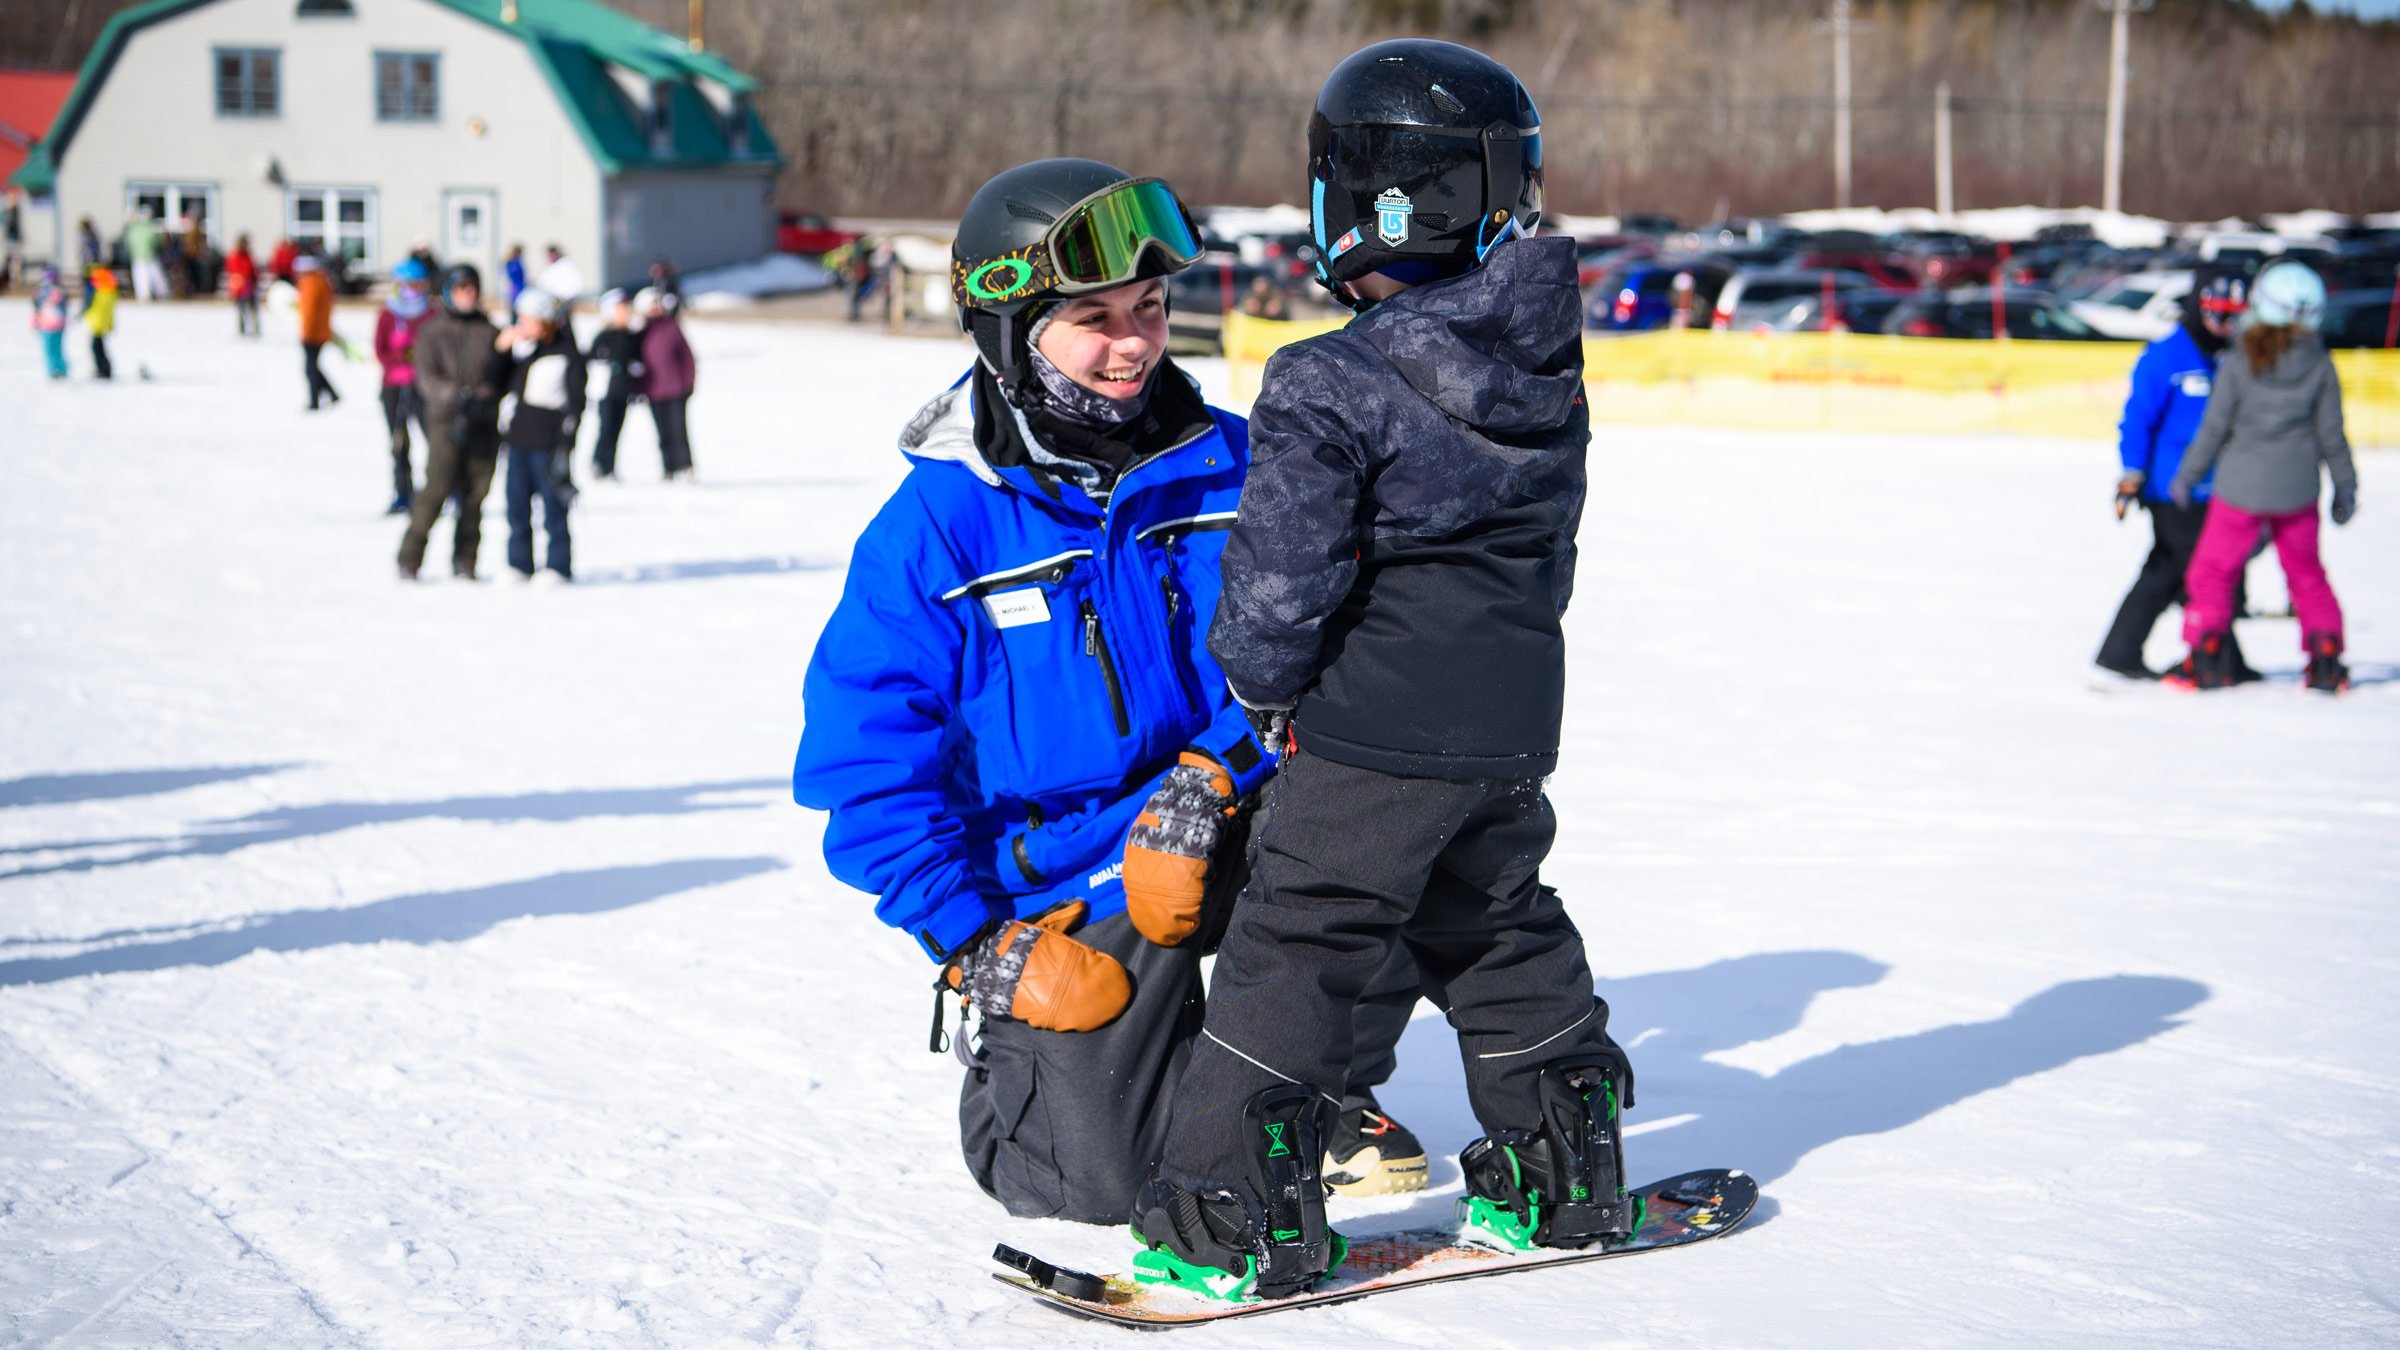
<point x="461" y="375"/>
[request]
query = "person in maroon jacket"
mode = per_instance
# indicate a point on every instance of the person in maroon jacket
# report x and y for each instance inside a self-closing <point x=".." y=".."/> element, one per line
<point x="667" y="379"/>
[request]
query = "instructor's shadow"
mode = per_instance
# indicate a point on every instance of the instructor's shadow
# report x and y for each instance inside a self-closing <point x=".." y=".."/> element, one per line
<point x="1765" y="1123"/>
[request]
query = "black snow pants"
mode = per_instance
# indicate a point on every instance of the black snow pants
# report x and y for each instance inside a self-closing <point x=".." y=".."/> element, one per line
<point x="1351" y="865"/>
<point x="1067" y="1124"/>
<point x="2174" y="532"/>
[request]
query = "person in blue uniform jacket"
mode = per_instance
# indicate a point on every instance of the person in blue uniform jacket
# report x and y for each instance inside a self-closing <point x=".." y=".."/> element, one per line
<point x="1017" y="679"/>
<point x="2171" y="383"/>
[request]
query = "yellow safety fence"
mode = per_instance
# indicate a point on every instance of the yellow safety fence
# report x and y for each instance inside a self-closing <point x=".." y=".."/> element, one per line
<point x="1863" y="382"/>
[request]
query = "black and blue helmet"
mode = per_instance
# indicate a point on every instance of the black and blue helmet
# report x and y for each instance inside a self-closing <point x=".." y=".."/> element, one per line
<point x="1422" y="156"/>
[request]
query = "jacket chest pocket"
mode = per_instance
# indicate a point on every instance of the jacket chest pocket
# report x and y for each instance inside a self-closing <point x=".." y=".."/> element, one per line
<point x="1047" y="699"/>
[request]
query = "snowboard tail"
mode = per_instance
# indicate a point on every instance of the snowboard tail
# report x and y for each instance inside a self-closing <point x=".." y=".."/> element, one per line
<point x="1677" y="1212"/>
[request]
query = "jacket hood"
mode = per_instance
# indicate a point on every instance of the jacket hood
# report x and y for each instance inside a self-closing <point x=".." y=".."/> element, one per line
<point x="1504" y="349"/>
<point x="944" y="430"/>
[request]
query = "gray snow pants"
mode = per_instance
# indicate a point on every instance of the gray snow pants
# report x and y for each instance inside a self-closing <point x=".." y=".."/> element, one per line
<point x="1067" y="1124"/>
<point x="1350" y="865"/>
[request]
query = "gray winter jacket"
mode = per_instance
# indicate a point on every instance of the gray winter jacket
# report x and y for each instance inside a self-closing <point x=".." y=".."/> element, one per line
<point x="2272" y="431"/>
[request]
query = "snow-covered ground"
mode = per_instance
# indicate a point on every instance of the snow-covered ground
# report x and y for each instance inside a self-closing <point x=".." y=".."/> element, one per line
<point x="446" y="965"/>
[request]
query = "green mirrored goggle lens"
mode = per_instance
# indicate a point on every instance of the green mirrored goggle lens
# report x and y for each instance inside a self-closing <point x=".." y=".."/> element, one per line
<point x="1101" y="241"/>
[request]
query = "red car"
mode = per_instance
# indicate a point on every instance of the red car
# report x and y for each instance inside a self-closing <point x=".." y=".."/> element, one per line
<point x="809" y="234"/>
<point x="1889" y="272"/>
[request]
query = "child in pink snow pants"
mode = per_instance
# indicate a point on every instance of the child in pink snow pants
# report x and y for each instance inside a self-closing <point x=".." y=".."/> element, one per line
<point x="2274" y="416"/>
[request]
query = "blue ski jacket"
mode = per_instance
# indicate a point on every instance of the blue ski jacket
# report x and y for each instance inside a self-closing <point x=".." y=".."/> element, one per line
<point x="1010" y="673"/>
<point x="2170" y="391"/>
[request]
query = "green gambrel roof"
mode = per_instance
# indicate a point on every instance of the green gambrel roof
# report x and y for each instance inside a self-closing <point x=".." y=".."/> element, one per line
<point x="572" y="41"/>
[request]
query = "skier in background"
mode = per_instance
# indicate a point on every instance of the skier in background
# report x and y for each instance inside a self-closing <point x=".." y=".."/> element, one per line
<point x="1392" y="604"/>
<point x="2171" y="383"/>
<point x="145" y="243"/>
<point x="316" y="326"/>
<point x="616" y="346"/>
<point x="2274" y="417"/>
<point x="461" y="374"/>
<point x="1015" y="675"/>
<point x="404" y="311"/>
<point x="545" y="388"/>
<point x="241" y="284"/>
<point x="512" y="268"/>
<point x="89" y="253"/>
<point x="50" y="322"/>
<point x="100" y="320"/>
<point x="669" y="374"/>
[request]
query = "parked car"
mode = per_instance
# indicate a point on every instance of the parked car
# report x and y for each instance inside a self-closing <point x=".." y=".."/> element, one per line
<point x="1947" y="262"/>
<point x="1754" y="298"/>
<point x="2143" y="307"/>
<point x="809" y="234"/>
<point x="1889" y="271"/>
<point x="2041" y="265"/>
<point x="2360" y="319"/>
<point x="2361" y="272"/>
<point x="2252" y="249"/>
<point x="1968" y="314"/>
<point x="1641" y="295"/>
<point x="1595" y="254"/>
<point x="1649" y="223"/>
<point x="1863" y="310"/>
<point x="1199" y="297"/>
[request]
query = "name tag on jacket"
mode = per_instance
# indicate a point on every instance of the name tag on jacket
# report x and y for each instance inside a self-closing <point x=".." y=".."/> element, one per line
<point x="1014" y="609"/>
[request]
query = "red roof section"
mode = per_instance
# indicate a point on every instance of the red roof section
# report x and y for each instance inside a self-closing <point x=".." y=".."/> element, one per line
<point x="29" y="101"/>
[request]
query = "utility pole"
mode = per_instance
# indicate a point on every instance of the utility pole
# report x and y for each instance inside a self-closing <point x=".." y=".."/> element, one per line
<point x="1841" y="101"/>
<point x="699" y="14"/>
<point x="1942" y="202"/>
<point x="2112" y="187"/>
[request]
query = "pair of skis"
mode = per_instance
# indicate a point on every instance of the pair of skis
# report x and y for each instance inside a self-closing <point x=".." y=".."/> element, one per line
<point x="1678" y="1212"/>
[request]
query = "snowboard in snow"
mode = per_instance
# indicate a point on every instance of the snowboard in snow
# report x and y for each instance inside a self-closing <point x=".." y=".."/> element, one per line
<point x="1679" y="1211"/>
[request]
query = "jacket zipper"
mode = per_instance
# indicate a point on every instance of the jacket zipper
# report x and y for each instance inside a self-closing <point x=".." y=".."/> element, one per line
<point x="1174" y="593"/>
<point x="1095" y="647"/>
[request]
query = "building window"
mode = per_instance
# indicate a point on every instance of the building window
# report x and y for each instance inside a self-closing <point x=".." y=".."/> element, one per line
<point x="408" y="86"/>
<point x="172" y="204"/>
<point x="311" y="9"/>
<point x="333" y="221"/>
<point x="662" y="118"/>
<point x="247" y="82"/>
<point x="737" y="126"/>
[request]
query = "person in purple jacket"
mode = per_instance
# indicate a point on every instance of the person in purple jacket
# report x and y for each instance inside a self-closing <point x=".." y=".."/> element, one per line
<point x="667" y="379"/>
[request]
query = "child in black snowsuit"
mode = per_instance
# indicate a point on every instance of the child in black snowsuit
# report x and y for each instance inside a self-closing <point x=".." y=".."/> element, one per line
<point x="547" y="384"/>
<point x="1394" y="588"/>
<point x="617" y="346"/>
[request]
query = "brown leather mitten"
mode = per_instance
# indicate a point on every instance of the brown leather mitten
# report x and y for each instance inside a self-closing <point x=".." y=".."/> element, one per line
<point x="1034" y="973"/>
<point x="1166" y="855"/>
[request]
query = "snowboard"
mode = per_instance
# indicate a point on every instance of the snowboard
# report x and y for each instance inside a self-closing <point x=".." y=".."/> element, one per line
<point x="1679" y="1211"/>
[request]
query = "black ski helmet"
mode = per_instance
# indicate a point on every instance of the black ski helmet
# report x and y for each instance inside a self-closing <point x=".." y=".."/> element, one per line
<point x="1420" y="152"/>
<point x="460" y="274"/>
<point x="1006" y="218"/>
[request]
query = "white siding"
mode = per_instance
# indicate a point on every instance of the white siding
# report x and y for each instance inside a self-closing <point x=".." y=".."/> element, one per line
<point x="699" y="220"/>
<point x="155" y="118"/>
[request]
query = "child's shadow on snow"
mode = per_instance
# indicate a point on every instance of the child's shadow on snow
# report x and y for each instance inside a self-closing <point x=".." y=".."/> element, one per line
<point x="1765" y="1123"/>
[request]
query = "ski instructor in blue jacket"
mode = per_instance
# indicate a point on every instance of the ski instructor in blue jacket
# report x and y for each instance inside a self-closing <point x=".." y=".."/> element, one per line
<point x="2171" y="383"/>
<point x="1028" y="754"/>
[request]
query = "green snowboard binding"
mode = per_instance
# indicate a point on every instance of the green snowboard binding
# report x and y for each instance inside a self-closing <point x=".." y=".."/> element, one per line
<point x="1268" y="1240"/>
<point x="1562" y="1187"/>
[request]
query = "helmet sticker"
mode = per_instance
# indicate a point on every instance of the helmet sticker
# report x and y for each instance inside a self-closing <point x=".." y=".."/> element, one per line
<point x="1346" y="243"/>
<point x="1391" y="216"/>
<point x="1020" y="276"/>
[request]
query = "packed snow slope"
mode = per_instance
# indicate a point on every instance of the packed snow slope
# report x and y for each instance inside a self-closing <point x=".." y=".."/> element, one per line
<point x="446" y="965"/>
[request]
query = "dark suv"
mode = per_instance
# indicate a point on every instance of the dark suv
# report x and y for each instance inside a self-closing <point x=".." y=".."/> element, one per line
<point x="1968" y="314"/>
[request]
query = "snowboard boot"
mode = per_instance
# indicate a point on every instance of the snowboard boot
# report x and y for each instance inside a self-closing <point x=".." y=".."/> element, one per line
<point x="1562" y="1185"/>
<point x="1369" y="1153"/>
<point x="1268" y="1240"/>
<point x="2325" y="668"/>
<point x="2208" y="666"/>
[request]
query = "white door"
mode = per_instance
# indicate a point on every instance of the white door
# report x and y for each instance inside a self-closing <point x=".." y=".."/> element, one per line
<point x="471" y="229"/>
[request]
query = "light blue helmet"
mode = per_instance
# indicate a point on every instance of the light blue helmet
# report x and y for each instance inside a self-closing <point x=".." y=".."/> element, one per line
<point x="2288" y="293"/>
<point x="410" y="270"/>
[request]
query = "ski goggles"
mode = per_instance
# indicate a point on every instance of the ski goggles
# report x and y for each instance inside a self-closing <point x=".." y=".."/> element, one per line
<point x="1098" y="243"/>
